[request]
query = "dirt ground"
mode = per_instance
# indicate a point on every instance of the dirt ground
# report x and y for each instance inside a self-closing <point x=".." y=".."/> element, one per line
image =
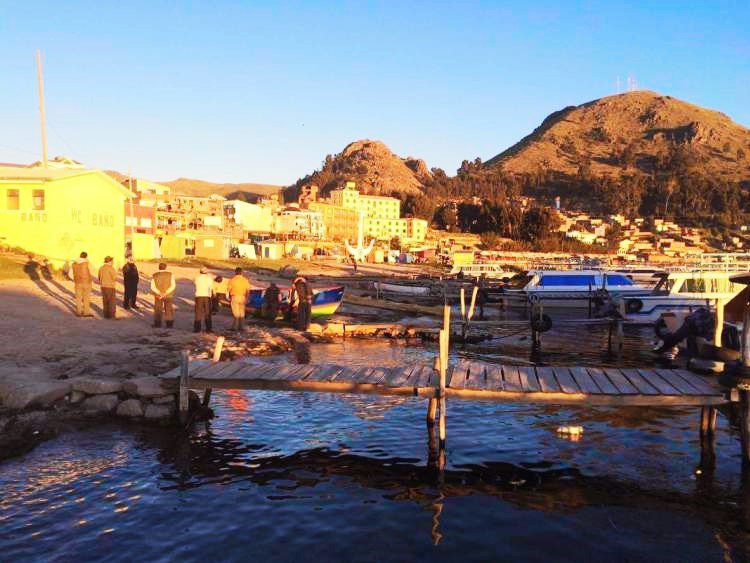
<point x="38" y="325"/>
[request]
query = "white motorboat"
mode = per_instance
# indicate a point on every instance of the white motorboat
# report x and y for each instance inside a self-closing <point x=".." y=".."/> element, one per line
<point x="479" y="269"/>
<point x="575" y="288"/>
<point x="679" y="293"/>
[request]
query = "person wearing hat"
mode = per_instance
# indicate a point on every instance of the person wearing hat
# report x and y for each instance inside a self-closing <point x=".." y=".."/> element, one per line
<point x="238" y="289"/>
<point x="107" y="280"/>
<point x="203" y="291"/>
<point x="82" y="278"/>
<point x="130" y="280"/>
<point x="300" y="302"/>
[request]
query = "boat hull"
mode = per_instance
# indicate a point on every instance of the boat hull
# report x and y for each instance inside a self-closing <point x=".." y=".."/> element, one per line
<point x="325" y="303"/>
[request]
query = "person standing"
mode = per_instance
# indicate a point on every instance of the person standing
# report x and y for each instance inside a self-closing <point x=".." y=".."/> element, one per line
<point x="238" y="288"/>
<point x="203" y="291"/>
<point x="82" y="278"/>
<point x="220" y="293"/>
<point x="163" y="286"/>
<point x="301" y="296"/>
<point x="271" y="302"/>
<point x="108" y="280"/>
<point x="130" y="279"/>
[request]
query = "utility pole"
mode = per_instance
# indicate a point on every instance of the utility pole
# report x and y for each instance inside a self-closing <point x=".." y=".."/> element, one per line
<point x="40" y="80"/>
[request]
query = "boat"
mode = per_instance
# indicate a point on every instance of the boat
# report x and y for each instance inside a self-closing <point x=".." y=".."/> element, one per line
<point x="575" y="288"/>
<point x="402" y="288"/>
<point x="478" y="269"/>
<point x="679" y="293"/>
<point x="641" y="274"/>
<point x="325" y="301"/>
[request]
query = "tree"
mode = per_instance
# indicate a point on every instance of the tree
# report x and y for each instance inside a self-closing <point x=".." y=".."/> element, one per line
<point x="395" y="243"/>
<point x="537" y="223"/>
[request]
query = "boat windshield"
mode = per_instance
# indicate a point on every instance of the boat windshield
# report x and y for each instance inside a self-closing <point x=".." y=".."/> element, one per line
<point x="617" y="279"/>
<point x="577" y="280"/>
<point x="707" y="285"/>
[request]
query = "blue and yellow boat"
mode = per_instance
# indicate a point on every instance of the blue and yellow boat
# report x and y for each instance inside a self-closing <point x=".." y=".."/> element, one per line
<point x="325" y="302"/>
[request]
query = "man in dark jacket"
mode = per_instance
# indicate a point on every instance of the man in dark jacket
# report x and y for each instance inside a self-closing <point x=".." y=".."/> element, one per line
<point x="300" y="298"/>
<point x="130" y="279"/>
<point x="271" y="302"/>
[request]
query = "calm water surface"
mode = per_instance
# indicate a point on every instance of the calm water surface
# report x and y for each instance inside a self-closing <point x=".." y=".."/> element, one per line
<point x="282" y="476"/>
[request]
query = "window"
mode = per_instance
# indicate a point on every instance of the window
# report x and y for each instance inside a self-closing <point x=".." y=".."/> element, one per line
<point x="617" y="279"/>
<point x="570" y="280"/>
<point x="13" y="203"/>
<point x="697" y="285"/>
<point x="38" y="200"/>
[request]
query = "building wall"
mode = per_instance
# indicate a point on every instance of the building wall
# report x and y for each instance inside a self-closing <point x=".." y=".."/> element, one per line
<point x="208" y="246"/>
<point x="253" y="218"/>
<point x="341" y="223"/>
<point x="83" y="212"/>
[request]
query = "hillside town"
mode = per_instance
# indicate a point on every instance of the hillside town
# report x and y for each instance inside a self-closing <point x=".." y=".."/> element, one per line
<point x="57" y="210"/>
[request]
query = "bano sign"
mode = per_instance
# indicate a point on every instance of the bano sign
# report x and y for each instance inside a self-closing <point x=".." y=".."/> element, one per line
<point x="97" y="219"/>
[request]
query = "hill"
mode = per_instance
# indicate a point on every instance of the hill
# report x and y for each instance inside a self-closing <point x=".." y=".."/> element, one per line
<point x="375" y="168"/>
<point x="189" y="186"/>
<point x="637" y="150"/>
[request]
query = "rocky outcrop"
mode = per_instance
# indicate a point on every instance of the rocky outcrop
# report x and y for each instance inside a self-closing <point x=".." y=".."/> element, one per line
<point x="23" y="387"/>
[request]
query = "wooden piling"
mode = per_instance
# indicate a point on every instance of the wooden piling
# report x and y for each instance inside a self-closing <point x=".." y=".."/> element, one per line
<point x="620" y="329"/>
<point x="431" y="411"/>
<point x="719" y="330"/>
<point x="444" y="347"/>
<point x="217" y="348"/>
<point x="184" y="402"/>
<point x="708" y="421"/>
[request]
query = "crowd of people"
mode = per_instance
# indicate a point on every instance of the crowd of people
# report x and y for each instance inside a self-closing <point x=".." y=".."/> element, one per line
<point x="210" y="293"/>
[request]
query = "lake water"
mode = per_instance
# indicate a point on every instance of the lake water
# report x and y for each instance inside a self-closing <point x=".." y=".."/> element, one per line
<point x="304" y="476"/>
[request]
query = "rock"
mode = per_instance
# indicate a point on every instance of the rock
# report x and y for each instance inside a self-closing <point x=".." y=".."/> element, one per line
<point x="158" y="412"/>
<point x="145" y="387"/>
<point x="106" y="370"/>
<point x="334" y="329"/>
<point x="131" y="408"/>
<point x="101" y="403"/>
<point x="315" y="329"/>
<point x="166" y="399"/>
<point x="97" y="385"/>
<point x="21" y="394"/>
<point x="76" y="397"/>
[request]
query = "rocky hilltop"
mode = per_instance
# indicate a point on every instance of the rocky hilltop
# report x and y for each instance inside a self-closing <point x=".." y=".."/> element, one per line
<point x="375" y="168"/>
<point x="628" y="134"/>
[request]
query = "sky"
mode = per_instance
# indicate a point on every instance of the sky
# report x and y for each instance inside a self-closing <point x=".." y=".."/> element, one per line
<point x="262" y="91"/>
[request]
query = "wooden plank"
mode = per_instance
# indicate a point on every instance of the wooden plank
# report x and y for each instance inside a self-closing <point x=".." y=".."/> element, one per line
<point x="354" y="375"/>
<point x="212" y="369"/>
<point x="324" y="373"/>
<point x="238" y="370"/>
<point x="346" y="374"/>
<point x="566" y="381"/>
<point x="398" y="377"/>
<point x="639" y="382"/>
<point x="678" y="382"/>
<point x="423" y="378"/>
<point x="662" y="386"/>
<point x="697" y="381"/>
<point x="529" y="382"/>
<point x="280" y="373"/>
<point x="376" y="376"/>
<point x="620" y="381"/>
<point x="458" y="375"/>
<point x="299" y="372"/>
<point x="494" y="379"/>
<point x="477" y="378"/>
<point x="584" y="380"/>
<point x="547" y="381"/>
<point x="201" y="369"/>
<point x="511" y="379"/>
<point x="602" y="381"/>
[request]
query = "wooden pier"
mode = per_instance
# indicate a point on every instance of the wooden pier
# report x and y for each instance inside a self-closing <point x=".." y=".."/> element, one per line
<point x="469" y="380"/>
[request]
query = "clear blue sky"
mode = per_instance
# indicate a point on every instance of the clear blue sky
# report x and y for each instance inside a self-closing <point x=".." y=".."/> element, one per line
<point x="255" y="91"/>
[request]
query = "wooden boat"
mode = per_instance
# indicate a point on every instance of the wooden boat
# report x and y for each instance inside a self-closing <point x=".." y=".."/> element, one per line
<point x="325" y="303"/>
<point x="402" y="288"/>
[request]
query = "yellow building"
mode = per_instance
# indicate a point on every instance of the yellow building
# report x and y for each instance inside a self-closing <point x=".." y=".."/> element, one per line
<point x="340" y="222"/>
<point x="381" y="207"/>
<point x="60" y="212"/>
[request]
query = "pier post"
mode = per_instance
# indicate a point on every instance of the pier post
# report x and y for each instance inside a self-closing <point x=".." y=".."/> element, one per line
<point x="444" y="347"/>
<point x="719" y="330"/>
<point x="708" y="421"/>
<point x="620" y="329"/>
<point x="184" y="402"/>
